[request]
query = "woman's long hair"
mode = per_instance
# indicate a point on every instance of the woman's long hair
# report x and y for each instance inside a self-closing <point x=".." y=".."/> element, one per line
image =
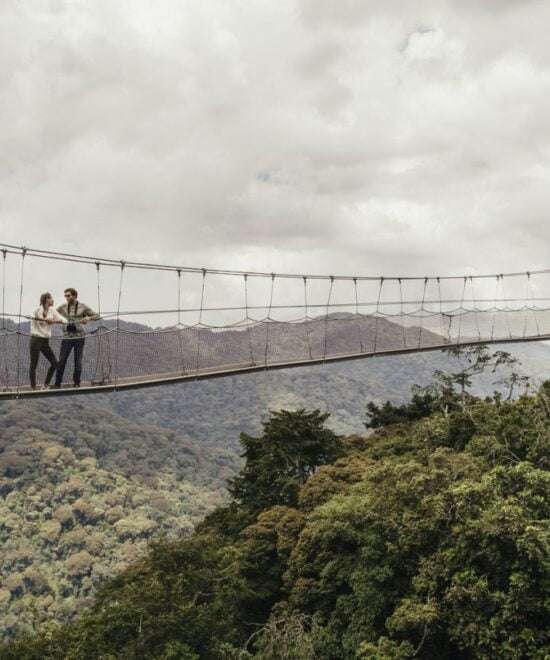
<point x="43" y="298"/>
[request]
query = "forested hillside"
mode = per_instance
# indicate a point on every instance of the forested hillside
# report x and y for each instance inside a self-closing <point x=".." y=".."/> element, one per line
<point x="87" y="482"/>
<point x="82" y="492"/>
<point x="427" y="539"/>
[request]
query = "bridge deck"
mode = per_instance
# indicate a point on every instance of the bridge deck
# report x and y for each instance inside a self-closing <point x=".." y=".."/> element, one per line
<point x="235" y="369"/>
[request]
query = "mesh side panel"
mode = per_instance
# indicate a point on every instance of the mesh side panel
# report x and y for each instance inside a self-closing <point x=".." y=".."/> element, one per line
<point x="112" y="356"/>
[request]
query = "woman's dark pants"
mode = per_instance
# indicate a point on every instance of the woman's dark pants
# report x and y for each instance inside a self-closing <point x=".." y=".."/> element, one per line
<point x="41" y="345"/>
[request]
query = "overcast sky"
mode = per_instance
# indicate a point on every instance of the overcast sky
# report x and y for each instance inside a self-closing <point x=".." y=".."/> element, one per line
<point x="335" y="136"/>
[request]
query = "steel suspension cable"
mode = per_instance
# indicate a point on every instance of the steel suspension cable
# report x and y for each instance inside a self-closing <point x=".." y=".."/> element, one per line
<point x="4" y="255"/>
<point x="495" y="306"/>
<point x="376" y="314"/>
<point x="179" y="298"/>
<point x="529" y="296"/>
<point x="461" y="309"/>
<point x="198" y="325"/>
<point x="401" y="313"/>
<point x="4" y="322"/>
<point x="21" y="288"/>
<point x="505" y="311"/>
<point x="441" y="315"/>
<point x="422" y="310"/>
<point x="179" y="326"/>
<point x="326" y="317"/>
<point x="63" y="256"/>
<point x="476" y="318"/>
<point x="268" y="318"/>
<point x="357" y="316"/>
<point x="248" y="321"/>
<point x="526" y="308"/>
<point x="307" y="319"/>
<point x="117" y="336"/>
<point x="351" y="303"/>
<point x="100" y="366"/>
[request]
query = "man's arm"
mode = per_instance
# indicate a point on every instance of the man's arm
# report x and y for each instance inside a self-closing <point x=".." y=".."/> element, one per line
<point x="89" y="315"/>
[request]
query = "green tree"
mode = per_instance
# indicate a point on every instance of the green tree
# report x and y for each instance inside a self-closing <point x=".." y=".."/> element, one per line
<point x="293" y="445"/>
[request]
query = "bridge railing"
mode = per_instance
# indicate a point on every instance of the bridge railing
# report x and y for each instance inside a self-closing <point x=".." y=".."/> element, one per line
<point x="208" y="320"/>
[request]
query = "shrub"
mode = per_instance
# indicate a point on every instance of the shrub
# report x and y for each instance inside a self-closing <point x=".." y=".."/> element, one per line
<point x="79" y="564"/>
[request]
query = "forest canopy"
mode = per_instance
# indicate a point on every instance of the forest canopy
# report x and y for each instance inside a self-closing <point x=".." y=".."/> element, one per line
<point x="427" y="538"/>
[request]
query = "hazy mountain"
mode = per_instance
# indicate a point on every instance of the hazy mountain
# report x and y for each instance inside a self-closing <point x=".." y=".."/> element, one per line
<point x="214" y="412"/>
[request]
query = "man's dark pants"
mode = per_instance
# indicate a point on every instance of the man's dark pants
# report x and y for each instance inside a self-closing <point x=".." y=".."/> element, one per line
<point x="41" y="345"/>
<point x="67" y="345"/>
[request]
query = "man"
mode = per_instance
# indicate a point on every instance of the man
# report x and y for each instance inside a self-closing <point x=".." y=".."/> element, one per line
<point x="77" y="315"/>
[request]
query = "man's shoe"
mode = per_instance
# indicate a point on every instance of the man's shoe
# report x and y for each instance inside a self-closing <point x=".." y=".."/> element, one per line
<point x="55" y="387"/>
<point x="76" y="385"/>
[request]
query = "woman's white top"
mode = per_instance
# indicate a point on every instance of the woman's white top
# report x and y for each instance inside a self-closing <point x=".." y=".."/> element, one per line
<point x="41" y="328"/>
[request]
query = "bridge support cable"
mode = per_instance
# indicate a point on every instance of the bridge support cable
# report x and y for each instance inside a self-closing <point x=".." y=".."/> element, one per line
<point x="526" y="306"/>
<point x="422" y="310"/>
<point x="401" y="312"/>
<point x="198" y="325"/>
<point x="102" y="370"/>
<point x="506" y="311"/>
<point x="4" y="257"/>
<point x="5" y="369"/>
<point x="248" y="321"/>
<point x="377" y="314"/>
<point x="331" y="286"/>
<point x="461" y="310"/>
<point x="268" y="318"/>
<point x="357" y="316"/>
<point x="474" y="307"/>
<point x="179" y="325"/>
<point x="442" y="329"/>
<point x="529" y="296"/>
<point x="307" y="319"/>
<point x="117" y="336"/>
<point x="99" y="356"/>
<point x="20" y="316"/>
<point x="495" y="306"/>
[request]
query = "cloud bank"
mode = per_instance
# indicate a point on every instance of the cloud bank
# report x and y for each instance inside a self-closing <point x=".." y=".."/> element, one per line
<point x="302" y="135"/>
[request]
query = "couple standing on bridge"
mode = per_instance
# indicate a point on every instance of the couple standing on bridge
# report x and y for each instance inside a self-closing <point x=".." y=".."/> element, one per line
<point x="73" y="315"/>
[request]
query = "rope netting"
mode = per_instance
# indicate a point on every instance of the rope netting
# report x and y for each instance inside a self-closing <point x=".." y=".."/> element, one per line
<point x="225" y="321"/>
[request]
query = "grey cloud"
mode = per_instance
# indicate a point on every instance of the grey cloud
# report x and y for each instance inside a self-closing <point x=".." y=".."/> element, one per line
<point x="333" y="137"/>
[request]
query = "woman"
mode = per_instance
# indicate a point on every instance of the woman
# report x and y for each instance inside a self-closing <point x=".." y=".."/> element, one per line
<point x="42" y="320"/>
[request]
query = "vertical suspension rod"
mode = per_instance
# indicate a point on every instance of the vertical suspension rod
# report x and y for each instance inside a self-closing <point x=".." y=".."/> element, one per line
<point x="121" y="280"/>
<point x="21" y="288"/>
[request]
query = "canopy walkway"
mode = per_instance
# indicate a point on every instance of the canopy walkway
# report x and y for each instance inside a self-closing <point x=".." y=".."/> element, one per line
<point x="209" y="323"/>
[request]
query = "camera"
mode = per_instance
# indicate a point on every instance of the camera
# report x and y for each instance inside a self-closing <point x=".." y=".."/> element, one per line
<point x="71" y="327"/>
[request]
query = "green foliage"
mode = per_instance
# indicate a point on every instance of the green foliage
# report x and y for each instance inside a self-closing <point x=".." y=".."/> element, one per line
<point x="449" y="392"/>
<point x="72" y="515"/>
<point x="289" y="636"/>
<point x="293" y="445"/>
<point x="428" y="539"/>
<point x="421" y="405"/>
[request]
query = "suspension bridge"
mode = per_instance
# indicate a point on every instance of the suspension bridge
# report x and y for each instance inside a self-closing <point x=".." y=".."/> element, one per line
<point x="208" y="323"/>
